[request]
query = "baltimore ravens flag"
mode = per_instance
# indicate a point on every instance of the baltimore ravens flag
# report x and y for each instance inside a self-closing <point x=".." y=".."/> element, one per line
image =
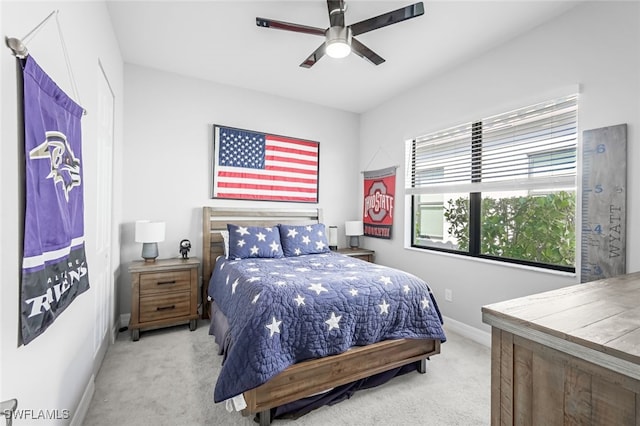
<point x="54" y="266"/>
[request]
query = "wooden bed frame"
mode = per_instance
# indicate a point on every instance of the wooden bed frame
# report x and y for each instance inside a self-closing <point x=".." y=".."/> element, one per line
<point x="313" y="376"/>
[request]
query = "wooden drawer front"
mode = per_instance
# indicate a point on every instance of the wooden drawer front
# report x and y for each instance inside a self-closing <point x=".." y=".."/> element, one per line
<point x="165" y="306"/>
<point x="165" y="281"/>
<point x="363" y="257"/>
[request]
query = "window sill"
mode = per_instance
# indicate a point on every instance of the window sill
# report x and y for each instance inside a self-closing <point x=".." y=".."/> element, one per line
<point x="496" y="262"/>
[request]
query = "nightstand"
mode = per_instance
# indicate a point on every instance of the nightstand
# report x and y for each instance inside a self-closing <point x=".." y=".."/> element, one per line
<point x="163" y="293"/>
<point x="359" y="253"/>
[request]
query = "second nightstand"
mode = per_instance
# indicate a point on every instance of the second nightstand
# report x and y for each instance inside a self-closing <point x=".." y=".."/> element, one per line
<point x="163" y="293"/>
<point x="359" y="253"/>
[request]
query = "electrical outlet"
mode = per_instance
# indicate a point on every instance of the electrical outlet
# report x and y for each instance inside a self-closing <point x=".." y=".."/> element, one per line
<point x="448" y="295"/>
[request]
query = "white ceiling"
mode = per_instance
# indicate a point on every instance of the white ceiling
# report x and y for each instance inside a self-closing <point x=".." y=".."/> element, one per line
<point x="219" y="41"/>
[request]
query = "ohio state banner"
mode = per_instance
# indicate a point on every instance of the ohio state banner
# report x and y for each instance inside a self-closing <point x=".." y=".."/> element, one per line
<point x="379" y="191"/>
<point x="54" y="266"/>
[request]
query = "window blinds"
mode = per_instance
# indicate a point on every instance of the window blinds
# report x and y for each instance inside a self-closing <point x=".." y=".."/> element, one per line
<point x="529" y="148"/>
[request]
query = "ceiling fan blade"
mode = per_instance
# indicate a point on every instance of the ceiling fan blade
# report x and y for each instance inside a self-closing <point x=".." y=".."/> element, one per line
<point x="389" y="18"/>
<point x="287" y="26"/>
<point x="366" y="53"/>
<point x="336" y="13"/>
<point x="314" y="57"/>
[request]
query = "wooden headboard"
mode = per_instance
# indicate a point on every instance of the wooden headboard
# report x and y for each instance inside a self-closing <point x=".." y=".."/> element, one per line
<point x="215" y="219"/>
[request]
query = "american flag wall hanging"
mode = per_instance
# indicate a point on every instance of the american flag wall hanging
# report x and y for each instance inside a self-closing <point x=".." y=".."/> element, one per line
<point x="252" y="165"/>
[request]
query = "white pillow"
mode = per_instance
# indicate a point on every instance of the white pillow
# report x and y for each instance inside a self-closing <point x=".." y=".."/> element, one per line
<point x="225" y="237"/>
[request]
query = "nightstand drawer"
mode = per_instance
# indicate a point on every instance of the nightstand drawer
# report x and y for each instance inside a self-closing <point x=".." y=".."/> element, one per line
<point x="358" y="253"/>
<point x="164" y="306"/>
<point x="159" y="282"/>
<point x="365" y="257"/>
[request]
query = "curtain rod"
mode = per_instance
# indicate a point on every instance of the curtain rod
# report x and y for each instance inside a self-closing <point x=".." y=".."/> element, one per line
<point x="18" y="46"/>
<point x="395" y="166"/>
<point x="19" y="50"/>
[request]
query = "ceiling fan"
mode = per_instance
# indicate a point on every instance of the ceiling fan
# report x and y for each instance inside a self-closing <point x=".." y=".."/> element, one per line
<point x="339" y="38"/>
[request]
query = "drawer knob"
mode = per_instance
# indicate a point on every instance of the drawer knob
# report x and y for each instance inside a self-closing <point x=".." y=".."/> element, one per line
<point x="165" y="308"/>
<point x="166" y="282"/>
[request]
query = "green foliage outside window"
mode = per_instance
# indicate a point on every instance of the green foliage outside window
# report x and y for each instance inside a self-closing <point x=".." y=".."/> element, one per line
<point x="532" y="228"/>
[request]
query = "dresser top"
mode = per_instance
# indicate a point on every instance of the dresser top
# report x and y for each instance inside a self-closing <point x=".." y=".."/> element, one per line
<point x="355" y="252"/>
<point x="603" y="315"/>
<point x="161" y="264"/>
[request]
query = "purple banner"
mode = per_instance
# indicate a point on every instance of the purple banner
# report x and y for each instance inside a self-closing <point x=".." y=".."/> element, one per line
<point x="54" y="266"/>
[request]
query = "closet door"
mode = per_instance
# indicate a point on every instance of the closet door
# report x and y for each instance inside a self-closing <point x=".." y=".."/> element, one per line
<point x="101" y="271"/>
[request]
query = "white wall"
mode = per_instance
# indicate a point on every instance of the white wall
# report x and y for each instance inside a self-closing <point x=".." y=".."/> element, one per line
<point x="596" y="45"/>
<point x="168" y="148"/>
<point x="162" y="165"/>
<point x="56" y="369"/>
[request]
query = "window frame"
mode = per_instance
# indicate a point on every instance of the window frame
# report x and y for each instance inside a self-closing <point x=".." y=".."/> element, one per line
<point x="475" y="201"/>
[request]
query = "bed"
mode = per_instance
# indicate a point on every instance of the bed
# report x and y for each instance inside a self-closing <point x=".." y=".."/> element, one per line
<point x="320" y="369"/>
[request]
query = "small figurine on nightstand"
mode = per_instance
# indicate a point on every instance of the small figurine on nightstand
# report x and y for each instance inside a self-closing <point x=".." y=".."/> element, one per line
<point x="185" y="246"/>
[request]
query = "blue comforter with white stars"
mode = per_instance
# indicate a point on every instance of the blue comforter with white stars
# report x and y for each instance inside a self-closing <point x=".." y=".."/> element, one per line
<point x="286" y="310"/>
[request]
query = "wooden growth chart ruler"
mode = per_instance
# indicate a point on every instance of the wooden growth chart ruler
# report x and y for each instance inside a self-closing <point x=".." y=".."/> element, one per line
<point x="604" y="196"/>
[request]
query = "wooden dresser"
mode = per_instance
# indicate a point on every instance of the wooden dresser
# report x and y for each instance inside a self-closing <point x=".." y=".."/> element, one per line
<point x="163" y="293"/>
<point x="569" y="356"/>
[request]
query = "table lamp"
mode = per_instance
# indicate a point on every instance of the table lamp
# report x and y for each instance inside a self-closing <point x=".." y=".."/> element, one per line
<point x="354" y="229"/>
<point x="149" y="234"/>
<point x="333" y="238"/>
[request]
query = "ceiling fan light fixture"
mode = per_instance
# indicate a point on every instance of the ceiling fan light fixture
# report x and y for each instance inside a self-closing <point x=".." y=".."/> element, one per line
<point x="339" y="38"/>
<point x="338" y="44"/>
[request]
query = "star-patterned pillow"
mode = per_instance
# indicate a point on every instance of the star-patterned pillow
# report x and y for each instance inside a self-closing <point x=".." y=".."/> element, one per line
<point x="253" y="241"/>
<point x="304" y="239"/>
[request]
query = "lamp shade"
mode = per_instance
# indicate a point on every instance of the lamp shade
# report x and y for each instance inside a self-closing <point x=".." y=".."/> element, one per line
<point x="149" y="232"/>
<point x="333" y="237"/>
<point x="353" y="228"/>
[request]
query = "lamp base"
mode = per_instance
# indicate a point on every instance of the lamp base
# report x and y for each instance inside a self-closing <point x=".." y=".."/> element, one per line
<point x="354" y="241"/>
<point x="149" y="252"/>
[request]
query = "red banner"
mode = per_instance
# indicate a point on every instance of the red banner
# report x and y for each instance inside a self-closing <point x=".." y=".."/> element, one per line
<point x="379" y="194"/>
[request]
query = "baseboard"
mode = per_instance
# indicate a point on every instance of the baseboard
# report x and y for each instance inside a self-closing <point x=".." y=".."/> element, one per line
<point x="114" y="332"/>
<point x="124" y="320"/>
<point x="475" y="334"/>
<point x="101" y="352"/>
<point x="85" y="402"/>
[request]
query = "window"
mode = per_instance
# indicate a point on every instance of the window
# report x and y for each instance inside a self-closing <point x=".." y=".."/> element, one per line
<point x="429" y="210"/>
<point x="502" y="188"/>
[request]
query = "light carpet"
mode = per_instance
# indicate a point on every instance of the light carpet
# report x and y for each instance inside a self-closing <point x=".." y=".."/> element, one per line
<point x="168" y="376"/>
